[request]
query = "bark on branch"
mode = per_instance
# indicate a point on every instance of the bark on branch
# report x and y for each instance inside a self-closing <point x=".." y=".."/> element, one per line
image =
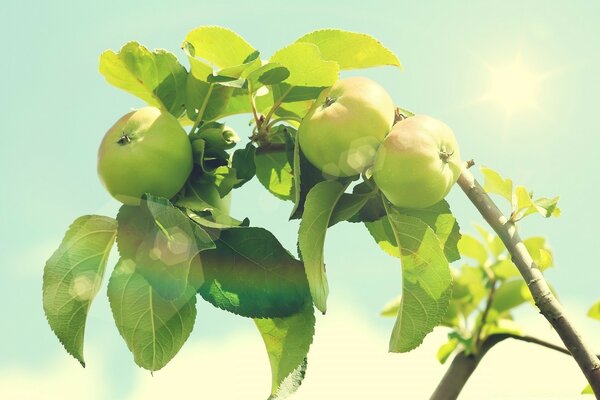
<point x="542" y="295"/>
<point x="462" y="366"/>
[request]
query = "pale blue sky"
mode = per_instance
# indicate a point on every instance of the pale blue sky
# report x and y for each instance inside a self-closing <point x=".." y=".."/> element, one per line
<point x="56" y="108"/>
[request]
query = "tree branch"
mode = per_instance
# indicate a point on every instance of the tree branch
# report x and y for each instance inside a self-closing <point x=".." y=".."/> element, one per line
<point x="461" y="369"/>
<point x="542" y="295"/>
<point x="463" y="366"/>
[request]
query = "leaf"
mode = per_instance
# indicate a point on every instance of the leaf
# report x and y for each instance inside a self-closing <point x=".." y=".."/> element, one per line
<point x="495" y="183"/>
<point x="383" y="234"/>
<point x="587" y="390"/>
<point x="438" y="217"/>
<point x="268" y="74"/>
<point x="511" y="294"/>
<point x="219" y="104"/>
<point x="287" y="341"/>
<point x="468" y="289"/>
<point x="156" y="76"/>
<point x="249" y="273"/>
<point x="161" y="241"/>
<point x="200" y="194"/>
<point x="493" y="241"/>
<point x="320" y="202"/>
<point x="547" y="207"/>
<point x="505" y="269"/>
<point x="219" y="46"/>
<point x="243" y="163"/>
<point x="305" y="177"/>
<point x="594" y="311"/>
<point x="274" y="171"/>
<point x="154" y="328"/>
<point x="226" y="179"/>
<point x="540" y="252"/>
<point x="446" y="350"/>
<point x="350" y="49"/>
<point x="472" y="248"/>
<point x="502" y="326"/>
<point x="426" y="281"/>
<point x="348" y="205"/>
<point x="306" y="66"/>
<point x="72" y="278"/>
<point x="391" y="308"/>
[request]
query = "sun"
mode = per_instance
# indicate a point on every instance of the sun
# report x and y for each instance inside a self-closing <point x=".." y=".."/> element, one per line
<point x="515" y="87"/>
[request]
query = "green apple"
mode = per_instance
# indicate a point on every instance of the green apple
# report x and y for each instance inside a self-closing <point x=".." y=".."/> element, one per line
<point x="146" y="151"/>
<point x="417" y="163"/>
<point x="342" y="130"/>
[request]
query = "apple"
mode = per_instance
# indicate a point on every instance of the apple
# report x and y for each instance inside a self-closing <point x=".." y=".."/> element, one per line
<point x="417" y="163"/>
<point x="342" y="130"/>
<point x="146" y="151"/>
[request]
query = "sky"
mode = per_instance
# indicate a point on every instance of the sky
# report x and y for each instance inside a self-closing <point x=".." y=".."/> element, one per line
<point x="463" y="63"/>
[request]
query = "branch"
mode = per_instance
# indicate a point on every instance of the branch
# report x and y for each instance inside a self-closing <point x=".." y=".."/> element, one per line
<point x="271" y="148"/>
<point x="461" y="369"/>
<point x="463" y="366"/>
<point x="542" y="295"/>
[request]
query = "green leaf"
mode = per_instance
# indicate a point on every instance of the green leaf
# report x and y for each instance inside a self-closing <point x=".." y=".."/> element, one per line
<point x="153" y="328"/>
<point x="594" y="311"/>
<point x="274" y="171"/>
<point x="501" y="326"/>
<point x="547" y="207"/>
<point x="511" y="294"/>
<point x="287" y="341"/>
<point x="426" y="281"/>
<point x="348" y="205"/>
<point x="391" y="308"/>
<point x="587" y="390"/>
<point x="495" y="183"/>
<point x="156" y="76"/>
<point x="219" y="103"/>
<point x="306" y="66"/>
<point x="350" y="49"/>
<point x="493" y="241"/>
<point x="297" y="94"/>
<point x="505" y="269"/>
<point x="243" y="163"/>
<point x="438" y="217"/>
<point x="249" y="273"/>
<point x="446" y="350"/>
<point x="468" y="289"/>
<point x="226" y="179"/>
<point x="540" y="252"/>
<point x="320" y="202"/>
<point x="268" y="74"/>
<point x="219" y="46"/>
<point x="305" y="177"/>
<point x="472" y="248"/>
<point x="161" y="241"/>
<point x="72" y="278"/>
<point x="382" y="232"/>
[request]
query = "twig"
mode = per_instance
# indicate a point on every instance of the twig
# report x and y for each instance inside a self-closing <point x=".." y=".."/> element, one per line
<point x="544" y="298"/>
<point x="486" y="311"/>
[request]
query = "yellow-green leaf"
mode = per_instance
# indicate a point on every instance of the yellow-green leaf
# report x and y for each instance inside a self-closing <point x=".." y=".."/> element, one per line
<point x="350" y="50"/>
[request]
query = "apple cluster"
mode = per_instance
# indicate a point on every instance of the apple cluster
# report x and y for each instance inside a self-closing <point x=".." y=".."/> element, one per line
<point x="351" y="128"/>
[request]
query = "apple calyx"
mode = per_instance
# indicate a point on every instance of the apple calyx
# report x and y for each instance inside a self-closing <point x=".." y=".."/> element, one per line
<point x="124" y="140"/>
<point x="445" y="155"/>
<point x="328" y="101"/>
